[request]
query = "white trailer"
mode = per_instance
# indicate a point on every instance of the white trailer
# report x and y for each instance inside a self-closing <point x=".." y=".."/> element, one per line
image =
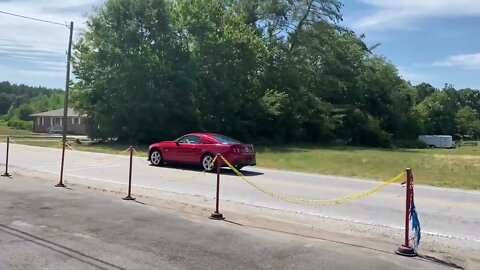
<point x="437" y="141"/>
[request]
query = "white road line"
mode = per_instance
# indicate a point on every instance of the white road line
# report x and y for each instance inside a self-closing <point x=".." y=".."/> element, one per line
<point x="80" y="166"/>
<point x="94" y="167"/>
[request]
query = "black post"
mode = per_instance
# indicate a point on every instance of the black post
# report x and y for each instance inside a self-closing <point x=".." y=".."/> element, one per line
<point x="129" y="196"/>
<point x="6" y="174"/>
<point x="65" y="106"/>
<point x="217" y="215"/>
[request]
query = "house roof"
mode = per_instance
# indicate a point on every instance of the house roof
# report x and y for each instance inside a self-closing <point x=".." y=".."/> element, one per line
<point x="59" y="113"/>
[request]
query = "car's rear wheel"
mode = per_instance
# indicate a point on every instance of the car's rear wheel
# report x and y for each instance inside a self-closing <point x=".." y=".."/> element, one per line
<point x="207" y="162"/>
<point x="156" y="158"/>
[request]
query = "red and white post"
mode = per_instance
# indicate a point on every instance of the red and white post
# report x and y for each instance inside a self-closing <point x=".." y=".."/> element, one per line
<point x="406" y="249"/>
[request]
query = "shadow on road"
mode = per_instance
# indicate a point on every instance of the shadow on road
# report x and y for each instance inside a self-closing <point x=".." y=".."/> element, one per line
<point x="439" y="261"/>
<point x="426" y="258"/>
<point x="66" y="251"/>
<point x="224" y="171"/>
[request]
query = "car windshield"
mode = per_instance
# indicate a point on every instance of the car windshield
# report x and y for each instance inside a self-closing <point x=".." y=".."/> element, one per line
<point x="225" y="140"/>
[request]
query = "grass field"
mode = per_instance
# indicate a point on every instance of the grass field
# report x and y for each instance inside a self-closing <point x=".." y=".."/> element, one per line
<point x="459" y="168"/>
<point x="4" y="130"/>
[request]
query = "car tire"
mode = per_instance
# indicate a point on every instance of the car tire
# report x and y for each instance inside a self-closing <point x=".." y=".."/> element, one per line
<point x="207" y="159"/>
<point x="156" y="158"/>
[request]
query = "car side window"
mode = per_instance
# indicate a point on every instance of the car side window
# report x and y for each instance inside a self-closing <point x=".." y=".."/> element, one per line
<point x="207" y="141"/>
<point x="190" y="139"/>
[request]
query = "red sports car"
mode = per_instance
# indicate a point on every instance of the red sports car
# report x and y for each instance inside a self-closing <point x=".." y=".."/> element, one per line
<point x="200" y="149"/>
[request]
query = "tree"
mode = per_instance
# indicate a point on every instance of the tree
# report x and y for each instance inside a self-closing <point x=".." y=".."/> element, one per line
<point x="272" y="71"/>
<point x="437" y="113"/>
<point x="227" y="55"/>
<point x="5" y="102"/>
<point x="465" y="120"/>
<point x="135" y="78"/>
<point x="24" y="112"/>
<point x="423" y="91"/>
<point x="11" y="112"/>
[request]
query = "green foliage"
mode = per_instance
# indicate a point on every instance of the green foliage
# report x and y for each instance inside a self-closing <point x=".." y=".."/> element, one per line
<point x="24" y="112"/>
<point x="270" y="71"/>
<point x="450" y="111"/>
<point x="135" y="76"/>
<point x="273" y="102"/>
<point x="20" y="124"/>
<point x="15" y="95"/>
<point x="20" y="101"/>
<point x="467" y="122"/>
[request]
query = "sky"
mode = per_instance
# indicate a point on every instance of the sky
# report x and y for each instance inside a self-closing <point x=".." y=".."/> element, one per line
<point x="434" y="41"/>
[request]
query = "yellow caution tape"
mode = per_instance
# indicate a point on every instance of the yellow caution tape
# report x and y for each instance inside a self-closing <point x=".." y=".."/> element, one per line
<point x="298" y="200"/>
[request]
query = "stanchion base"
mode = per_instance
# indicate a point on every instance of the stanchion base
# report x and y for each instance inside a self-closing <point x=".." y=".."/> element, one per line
<point x="60" y="185"/>
<point x="128" y="198"/>
<point x="6" y="174"/>
<point x="217" y="216"/>
<point x="406" y="251"/>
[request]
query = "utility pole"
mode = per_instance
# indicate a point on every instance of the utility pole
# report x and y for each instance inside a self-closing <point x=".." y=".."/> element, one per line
<point x="65" y="107"/>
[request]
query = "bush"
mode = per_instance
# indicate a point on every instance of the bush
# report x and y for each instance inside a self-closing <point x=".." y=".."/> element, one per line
<point x="20" y="124"/>
<point x="416" y="144"/>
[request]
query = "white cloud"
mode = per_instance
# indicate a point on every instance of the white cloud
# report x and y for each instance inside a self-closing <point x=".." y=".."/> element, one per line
<point x="35" y="47"/>
<point x="411" y="75"/>
<point x="464" y="61"/>
<point x="403" y="13"/>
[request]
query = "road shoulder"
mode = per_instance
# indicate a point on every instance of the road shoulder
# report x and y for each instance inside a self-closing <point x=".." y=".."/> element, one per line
<point x="368" y="237"/>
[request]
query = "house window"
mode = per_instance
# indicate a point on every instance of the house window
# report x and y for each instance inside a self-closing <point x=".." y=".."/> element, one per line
<point x="39" y="121"/>
<point x="76" y="120"/>
<point x="42" y="121"/>
<point x="57" y="121"/>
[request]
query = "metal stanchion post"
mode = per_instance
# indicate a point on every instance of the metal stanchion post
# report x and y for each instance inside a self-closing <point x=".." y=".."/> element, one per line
<point x="6" y="174"/>
<point x="61" y="184"/>
<point x="217" y="215"/>
<point x="405" y="249"/>
<point x="129" y="196"/>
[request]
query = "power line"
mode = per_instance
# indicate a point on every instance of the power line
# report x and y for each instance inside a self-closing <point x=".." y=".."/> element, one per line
<point x="33" y="19"/>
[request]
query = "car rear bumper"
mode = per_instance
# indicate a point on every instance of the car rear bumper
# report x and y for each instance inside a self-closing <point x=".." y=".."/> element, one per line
<point x="242" y="160"/>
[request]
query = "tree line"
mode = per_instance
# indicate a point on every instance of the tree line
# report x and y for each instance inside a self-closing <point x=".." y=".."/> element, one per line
<point x="265" y="71"/>
<point x="18" y="102"/>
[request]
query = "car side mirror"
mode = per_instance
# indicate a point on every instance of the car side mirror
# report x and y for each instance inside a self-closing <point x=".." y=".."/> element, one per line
<point x="177" y="142"/>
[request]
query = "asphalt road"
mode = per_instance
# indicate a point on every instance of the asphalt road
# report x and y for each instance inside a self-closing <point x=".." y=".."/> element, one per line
<point x="443" y="212"/>
<point x="46" y="228"/>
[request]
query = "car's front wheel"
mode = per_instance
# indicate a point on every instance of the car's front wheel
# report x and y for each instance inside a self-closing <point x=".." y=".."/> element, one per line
<point x="207" y="163"/>
<point x="156" y="158"/>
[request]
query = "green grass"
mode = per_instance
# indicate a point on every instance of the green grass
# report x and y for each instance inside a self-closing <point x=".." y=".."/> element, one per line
<point x="6" y="131"/>
<point x="97" y="148"/>
<point x="459" y="168"/>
